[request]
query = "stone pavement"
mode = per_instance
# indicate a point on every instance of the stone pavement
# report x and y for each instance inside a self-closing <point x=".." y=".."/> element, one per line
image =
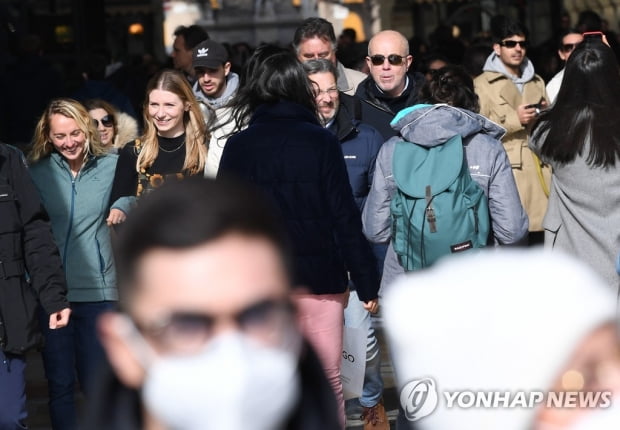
<point x="37" y="391"/>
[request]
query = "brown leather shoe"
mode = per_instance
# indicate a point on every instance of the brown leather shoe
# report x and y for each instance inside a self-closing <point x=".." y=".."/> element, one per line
<point x="374" y="418"/>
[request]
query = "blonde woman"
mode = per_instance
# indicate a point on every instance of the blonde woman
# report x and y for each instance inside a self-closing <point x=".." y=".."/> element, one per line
<point x="73" y="172"/>
<point x="173" y="144"/>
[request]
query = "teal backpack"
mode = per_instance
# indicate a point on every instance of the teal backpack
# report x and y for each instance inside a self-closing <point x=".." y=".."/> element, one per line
<point x="438" y="208"/>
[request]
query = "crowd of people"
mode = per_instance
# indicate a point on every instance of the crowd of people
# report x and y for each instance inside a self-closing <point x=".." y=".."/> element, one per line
<point x="195" y="267"/>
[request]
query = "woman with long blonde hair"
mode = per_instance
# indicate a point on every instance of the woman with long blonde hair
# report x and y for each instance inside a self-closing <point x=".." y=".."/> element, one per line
<point x="172" y="146"/>
<point x="73" y="172"/>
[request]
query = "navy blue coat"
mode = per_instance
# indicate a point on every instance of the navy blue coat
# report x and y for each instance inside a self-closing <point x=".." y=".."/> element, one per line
<point x="300" y="166"/>
<point x="360" y="145"/>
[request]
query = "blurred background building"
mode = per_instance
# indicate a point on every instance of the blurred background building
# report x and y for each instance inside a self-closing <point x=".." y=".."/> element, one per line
<point x="126" y="27"/>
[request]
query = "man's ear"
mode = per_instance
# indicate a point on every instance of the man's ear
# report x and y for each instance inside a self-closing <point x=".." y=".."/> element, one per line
<point x="227" y="67"/>
<point x="112" y="329"/>
<point x="409" y="60"/>
<point x="496" y="48"/>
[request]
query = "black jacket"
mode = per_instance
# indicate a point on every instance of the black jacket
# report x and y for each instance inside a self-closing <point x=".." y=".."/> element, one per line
<point x="379" y="109"/>
<point x="26" y="245"/>
<point x="300" y="167"/>
<point x="114" y="406"/>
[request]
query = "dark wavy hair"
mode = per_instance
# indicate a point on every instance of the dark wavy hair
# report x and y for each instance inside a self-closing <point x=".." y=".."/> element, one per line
<point x="451" y="85"/>
<point x="272" y="74"/>
<point x="314" y="27"/>
<point x="503" y="27"/>
<point x="586" y="108"/>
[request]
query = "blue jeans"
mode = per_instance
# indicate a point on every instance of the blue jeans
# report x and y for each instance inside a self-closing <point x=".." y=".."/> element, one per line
<point x="357" y="317"/>
<point x="13" y="411"/>
<point x="72" y="348"/>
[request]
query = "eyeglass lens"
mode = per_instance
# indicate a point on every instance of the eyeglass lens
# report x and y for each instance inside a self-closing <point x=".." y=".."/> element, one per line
<point x="107" y="121"/>
<point x="512" y="43"/>
<point x="393" y="59"/>
<point x="568" y="47"/>
<point x="188" y="331"/>
<point x="331" y="91"/>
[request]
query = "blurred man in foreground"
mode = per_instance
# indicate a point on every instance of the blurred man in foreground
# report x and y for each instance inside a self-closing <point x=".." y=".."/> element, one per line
<point x="207" y="339"/>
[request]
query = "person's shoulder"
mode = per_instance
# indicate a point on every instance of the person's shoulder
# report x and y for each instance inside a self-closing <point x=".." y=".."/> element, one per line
<point x="7" y="150"/>
<point x="108" y="158"/>
<point x="538" y="80"/>
<point x="131" y="148"/>
<point x="367" y="129"/>
<point x="488" y="76"/>
<point x="356" y="75"/>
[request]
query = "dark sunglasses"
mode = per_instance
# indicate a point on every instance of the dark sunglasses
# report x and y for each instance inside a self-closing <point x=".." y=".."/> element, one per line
<point x="107" y="121"/>
<point x="512" y="43"/>
<point x="568" y="47"/>
<point x="393" y="59"/>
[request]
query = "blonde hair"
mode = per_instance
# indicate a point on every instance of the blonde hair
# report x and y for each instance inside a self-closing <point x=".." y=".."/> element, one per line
<point x="41" y="144"/>
<point x="196" y="134"/>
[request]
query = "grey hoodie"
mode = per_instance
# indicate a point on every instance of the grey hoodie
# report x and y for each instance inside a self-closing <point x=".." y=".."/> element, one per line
<point x="495" y="64"/>
<point x="488" y="165"/>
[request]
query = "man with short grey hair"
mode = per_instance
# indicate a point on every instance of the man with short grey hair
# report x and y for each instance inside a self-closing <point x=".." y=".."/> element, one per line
<point x="314" y="39"/>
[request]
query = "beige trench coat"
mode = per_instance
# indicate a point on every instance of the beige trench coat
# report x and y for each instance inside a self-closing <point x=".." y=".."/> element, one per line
<point x="499" y="98"/>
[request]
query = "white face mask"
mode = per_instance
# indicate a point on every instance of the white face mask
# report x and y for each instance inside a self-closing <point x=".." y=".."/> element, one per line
<point x="232" y="384"/>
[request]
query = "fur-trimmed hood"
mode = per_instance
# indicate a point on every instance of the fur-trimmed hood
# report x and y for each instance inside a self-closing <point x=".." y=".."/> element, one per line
<point x="126" y="130"/>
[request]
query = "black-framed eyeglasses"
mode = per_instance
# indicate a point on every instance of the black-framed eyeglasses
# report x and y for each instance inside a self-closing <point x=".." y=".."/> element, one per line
<point x="393" y="59"/>
<point x="106" y="121"/>
<point x="187" y="332"/>
<point x="568" y="47"/>
<point x="512" y="43"/>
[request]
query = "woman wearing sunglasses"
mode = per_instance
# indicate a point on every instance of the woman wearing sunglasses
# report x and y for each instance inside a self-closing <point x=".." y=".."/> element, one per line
<point x="73" y="173"/>
<point x="115" y="128"/>
<point x="568" y="42"/>
<point x="172" y="146"/>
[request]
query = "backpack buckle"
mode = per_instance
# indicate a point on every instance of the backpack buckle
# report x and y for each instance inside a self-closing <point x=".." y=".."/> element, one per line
<point x="430" y="213"/>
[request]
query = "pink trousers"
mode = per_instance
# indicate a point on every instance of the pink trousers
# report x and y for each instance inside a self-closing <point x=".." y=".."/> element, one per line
<point x="321" y="318"/>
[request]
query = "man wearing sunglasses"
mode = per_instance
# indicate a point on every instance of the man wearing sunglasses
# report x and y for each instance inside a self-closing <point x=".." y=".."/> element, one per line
<point x="390" y="86"/>
<point x="511" y="94"/>
<point x="567" y="44"/>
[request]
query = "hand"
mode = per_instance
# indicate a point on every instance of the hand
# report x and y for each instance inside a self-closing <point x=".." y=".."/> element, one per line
<point x="59" y="319"/>
<point x="372" y="306"/>
<point x="527" y="115"/>
<point x="116" y="216"/>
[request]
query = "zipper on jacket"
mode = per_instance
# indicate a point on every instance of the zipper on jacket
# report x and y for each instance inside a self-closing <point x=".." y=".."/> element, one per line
<point x="70" y="227"/>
